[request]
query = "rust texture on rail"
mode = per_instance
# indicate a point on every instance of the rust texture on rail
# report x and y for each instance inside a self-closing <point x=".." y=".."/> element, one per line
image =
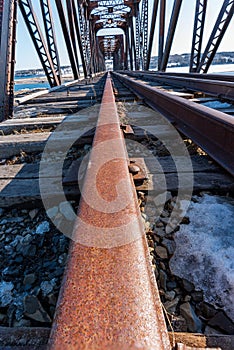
<point x="217" y="88"/>
<point x="109" y="298"/>
<point x="210" y="76"/>
<point x="212" y="130"/>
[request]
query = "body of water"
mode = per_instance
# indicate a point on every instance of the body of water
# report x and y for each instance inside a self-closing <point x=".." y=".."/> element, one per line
<point x="216" y="68"/>
<point x="219" y="68"/>
<point x="31" y="86"/>
<point x="23" y="82"/>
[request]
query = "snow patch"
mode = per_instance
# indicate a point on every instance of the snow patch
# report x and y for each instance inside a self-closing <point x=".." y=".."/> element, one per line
<point x="217" y="104"/>
<point x="42" y="228"/>
<point x="204" y="252"/>
<point x="6" y="293"/>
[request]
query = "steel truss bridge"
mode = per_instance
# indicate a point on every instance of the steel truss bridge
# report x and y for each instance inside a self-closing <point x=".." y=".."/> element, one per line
<point x="81" y="21"/>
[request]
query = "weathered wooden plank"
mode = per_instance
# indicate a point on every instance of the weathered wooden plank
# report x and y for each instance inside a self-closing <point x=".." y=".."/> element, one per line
<point x="18" y="124"/>
<point x="11" y="145"/>
<point x="180" y="346"/>
<point x="224" y="342"/>
<point x="22" y="121"/>
<point x="22" y="191"/>
<point x="160" y="132"/>
<point x="57" y="108"/>
<point x="202" y="182"/>
<point x="65" y="98"/>
<point x="164" y="165"/>
<point x="39" y="337"/>
<point x="31" y="171"/>
<point x="14" y="144"/>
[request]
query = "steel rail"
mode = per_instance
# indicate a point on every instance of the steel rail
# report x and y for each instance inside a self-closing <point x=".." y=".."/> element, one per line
<point x="109" y="298"/>
<point x="217" y="88"/>
<point x="212" y="130"/>
<point x="209" y="76"/>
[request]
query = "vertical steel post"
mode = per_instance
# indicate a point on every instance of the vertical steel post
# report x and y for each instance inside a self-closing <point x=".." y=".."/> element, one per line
<point x="126" y="48"/>
<point x="161" y="32"/>
<point x="151" y="36"/>
<point x="129" y="48"/>
<point x="133" y="46"/>
<point x="144" y="32"/>
<point x="170" y="33"/>
<point x="137" y="35"/>
<point x="67" y="38"/>
<point x="8" y="11"/>
<point x="199" y="23"/>
<point x="70" y="14"/>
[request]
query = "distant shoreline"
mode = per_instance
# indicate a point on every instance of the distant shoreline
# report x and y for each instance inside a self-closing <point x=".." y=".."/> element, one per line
<point x="39" y="79"/>
<point x="26" y="85"/>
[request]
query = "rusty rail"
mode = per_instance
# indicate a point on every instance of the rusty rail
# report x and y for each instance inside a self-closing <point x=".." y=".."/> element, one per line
<point x="209" y="76"/>
<point x="218" y="88"/>
<point x="109" y="298"/>
<point x="212" y="130"/>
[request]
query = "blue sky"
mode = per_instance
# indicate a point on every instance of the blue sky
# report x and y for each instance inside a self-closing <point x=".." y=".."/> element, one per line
<point x="26" y="56"/>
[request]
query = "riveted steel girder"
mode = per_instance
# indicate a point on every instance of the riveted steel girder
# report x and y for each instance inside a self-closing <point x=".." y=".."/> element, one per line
<point x="151" y="36"/>
<point x="199" y="22"/>
<point x="144" y="32"/>
<point x="50" y="35"/>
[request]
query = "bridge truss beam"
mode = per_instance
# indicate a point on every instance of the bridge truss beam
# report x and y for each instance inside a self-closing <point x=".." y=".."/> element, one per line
<point x="34" y="29"/>
<point x="67" y="38"/>
<point x="84" y="34"/>
<point x="50" y="35"/>
<point x="78" y="35"/>
<point x="199" y="23"/>
<point x="216" y="36"/>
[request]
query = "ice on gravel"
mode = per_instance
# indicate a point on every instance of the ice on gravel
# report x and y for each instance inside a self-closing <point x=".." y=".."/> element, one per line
<point x="204" y="252"/>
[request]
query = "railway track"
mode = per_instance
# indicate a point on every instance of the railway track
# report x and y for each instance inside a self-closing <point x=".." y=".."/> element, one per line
<point x="222" y="89"/>
<point x="103" y="304"/>
<point x="191" y="119"/>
